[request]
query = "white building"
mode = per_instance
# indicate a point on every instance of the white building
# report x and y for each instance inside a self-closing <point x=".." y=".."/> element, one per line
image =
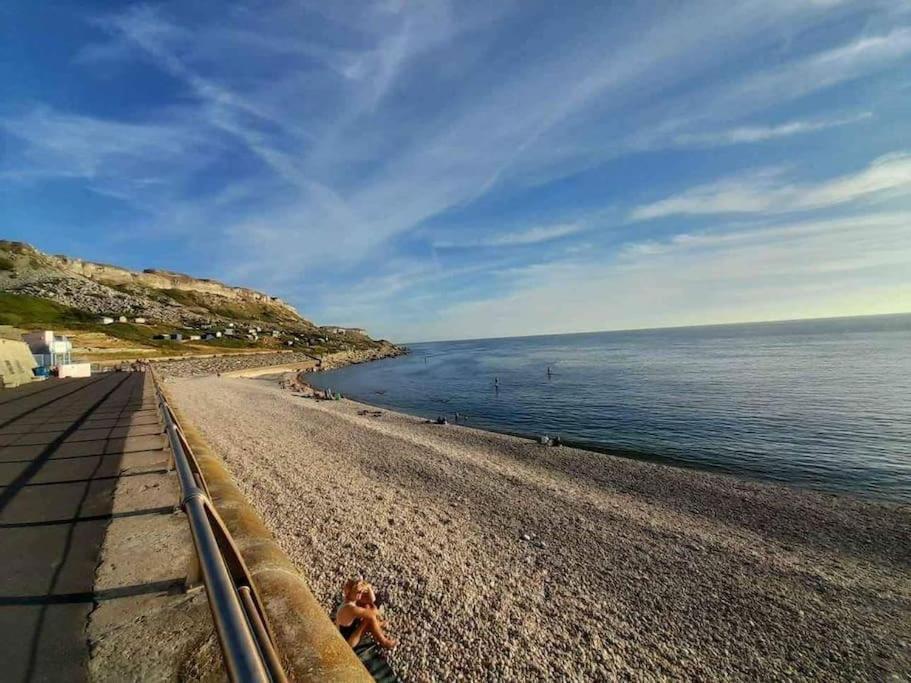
<point x="334" y="329"/>
<point x="107" y="321"/>
<point x="49" y="349"/>
<point x="140" y="321"/>
<point x="122" y="319"/>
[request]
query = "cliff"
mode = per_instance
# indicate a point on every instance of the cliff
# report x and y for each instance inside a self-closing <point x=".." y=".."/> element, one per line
<point x="157" y="295"/>
<point x="163" y="280"/>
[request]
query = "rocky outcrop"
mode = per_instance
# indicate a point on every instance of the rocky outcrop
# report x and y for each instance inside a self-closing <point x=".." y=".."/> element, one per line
<point x="166" y="302"/>
<point x="158" y="295"/>
<point x="163" y="280"/>
<point x="93" y="297"/>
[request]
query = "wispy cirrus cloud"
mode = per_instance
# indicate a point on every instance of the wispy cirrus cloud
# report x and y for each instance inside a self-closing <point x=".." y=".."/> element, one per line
<point x="753" y="134"/>
<point x="819" y="70"/>
<point x="112" y="156"/>
<point x="383" y="144"/>
<point x="772" y="192"/>
<point x="532" y="235"/>
<point x="785" y="270"/>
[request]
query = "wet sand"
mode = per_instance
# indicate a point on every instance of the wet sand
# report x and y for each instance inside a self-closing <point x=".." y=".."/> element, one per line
<point x="503" y="559"/>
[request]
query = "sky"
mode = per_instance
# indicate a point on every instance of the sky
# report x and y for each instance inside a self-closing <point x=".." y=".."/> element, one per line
<point x="443" y="170"/>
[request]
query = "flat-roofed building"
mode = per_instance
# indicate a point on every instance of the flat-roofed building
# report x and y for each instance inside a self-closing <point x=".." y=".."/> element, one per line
<point x="48" y="348"/>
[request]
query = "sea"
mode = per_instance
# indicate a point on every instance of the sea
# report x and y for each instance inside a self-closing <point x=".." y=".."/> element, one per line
<point x="819" y="404"/>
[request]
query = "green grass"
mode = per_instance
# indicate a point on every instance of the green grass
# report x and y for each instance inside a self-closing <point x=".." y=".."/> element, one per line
<point x="229" y="343"/>
<point x="233" y="310"/>
<point x="140" y="334"/>
<point x="25" y="311"/>
<point x="22" y="310"/>
<point x="183" y="297"/>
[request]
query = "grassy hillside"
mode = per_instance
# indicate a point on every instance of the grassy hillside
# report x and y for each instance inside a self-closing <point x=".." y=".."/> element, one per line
<point x="43" y="291"/>
<point x="30" y="312"/>
<point x="19" y="309"/>
<point x="106" y="290"/>
<point x="234" y="310"/>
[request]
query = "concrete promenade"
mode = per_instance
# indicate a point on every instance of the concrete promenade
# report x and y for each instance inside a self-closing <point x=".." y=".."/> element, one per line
<point x="64" y="444"/>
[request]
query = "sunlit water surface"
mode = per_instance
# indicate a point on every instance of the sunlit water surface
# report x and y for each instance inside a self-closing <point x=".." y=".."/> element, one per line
<point x="824" y="404"/>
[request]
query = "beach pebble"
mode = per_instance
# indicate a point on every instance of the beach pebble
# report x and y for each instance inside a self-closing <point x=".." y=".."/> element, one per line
<point x="654" y="573"/>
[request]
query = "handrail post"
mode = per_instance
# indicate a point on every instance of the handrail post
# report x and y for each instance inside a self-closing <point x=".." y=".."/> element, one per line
<point x="194" y="575"/>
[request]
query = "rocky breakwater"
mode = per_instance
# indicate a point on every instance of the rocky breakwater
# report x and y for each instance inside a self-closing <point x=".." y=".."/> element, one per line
<point x="340" y="359"/>
<point x="217" y="365"/>
<point x="199" y="367"/>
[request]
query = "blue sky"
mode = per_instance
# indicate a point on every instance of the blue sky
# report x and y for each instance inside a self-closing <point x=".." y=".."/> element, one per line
<point x="434" y="170"/>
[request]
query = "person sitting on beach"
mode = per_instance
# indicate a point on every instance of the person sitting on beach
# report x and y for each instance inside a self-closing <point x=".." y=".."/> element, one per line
<point x="360" y="614"/>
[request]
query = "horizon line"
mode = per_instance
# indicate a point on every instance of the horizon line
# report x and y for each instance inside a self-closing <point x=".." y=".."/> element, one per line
<point x="667" y="327"/>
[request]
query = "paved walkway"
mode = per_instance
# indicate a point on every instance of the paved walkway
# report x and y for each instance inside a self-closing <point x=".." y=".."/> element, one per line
<point x="63" y="446"/>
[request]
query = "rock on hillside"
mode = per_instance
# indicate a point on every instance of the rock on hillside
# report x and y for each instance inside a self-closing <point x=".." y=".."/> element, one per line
<point x="159" y="296"/>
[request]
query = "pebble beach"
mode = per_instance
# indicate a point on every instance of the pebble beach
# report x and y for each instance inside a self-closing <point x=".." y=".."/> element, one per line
<point x="504" y="559"/>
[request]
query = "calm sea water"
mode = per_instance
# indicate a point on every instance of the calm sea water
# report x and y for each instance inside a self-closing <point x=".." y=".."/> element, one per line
<point x="824" y="404"/>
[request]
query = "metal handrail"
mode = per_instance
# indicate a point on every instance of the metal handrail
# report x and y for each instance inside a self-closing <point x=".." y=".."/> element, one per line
<point x="240" y="622"/>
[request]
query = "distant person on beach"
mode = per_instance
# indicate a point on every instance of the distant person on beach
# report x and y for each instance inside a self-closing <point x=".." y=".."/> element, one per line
<point x="360" y="614"/>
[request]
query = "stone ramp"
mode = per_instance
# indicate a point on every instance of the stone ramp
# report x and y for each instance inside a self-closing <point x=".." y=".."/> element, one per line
<point x="63" y="446"/>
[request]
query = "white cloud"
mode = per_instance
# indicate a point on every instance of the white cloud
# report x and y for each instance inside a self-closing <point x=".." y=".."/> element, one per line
<point x="532" y="235"/>
<point x="752" y="134"/>
<point x="108" y="153"/>
<point x="771" y="192"/>
<point x="850" y="266"/>
<point x="485" y="138"/>
<point x="820" y="70"/>
<point x="371" y="119"/>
